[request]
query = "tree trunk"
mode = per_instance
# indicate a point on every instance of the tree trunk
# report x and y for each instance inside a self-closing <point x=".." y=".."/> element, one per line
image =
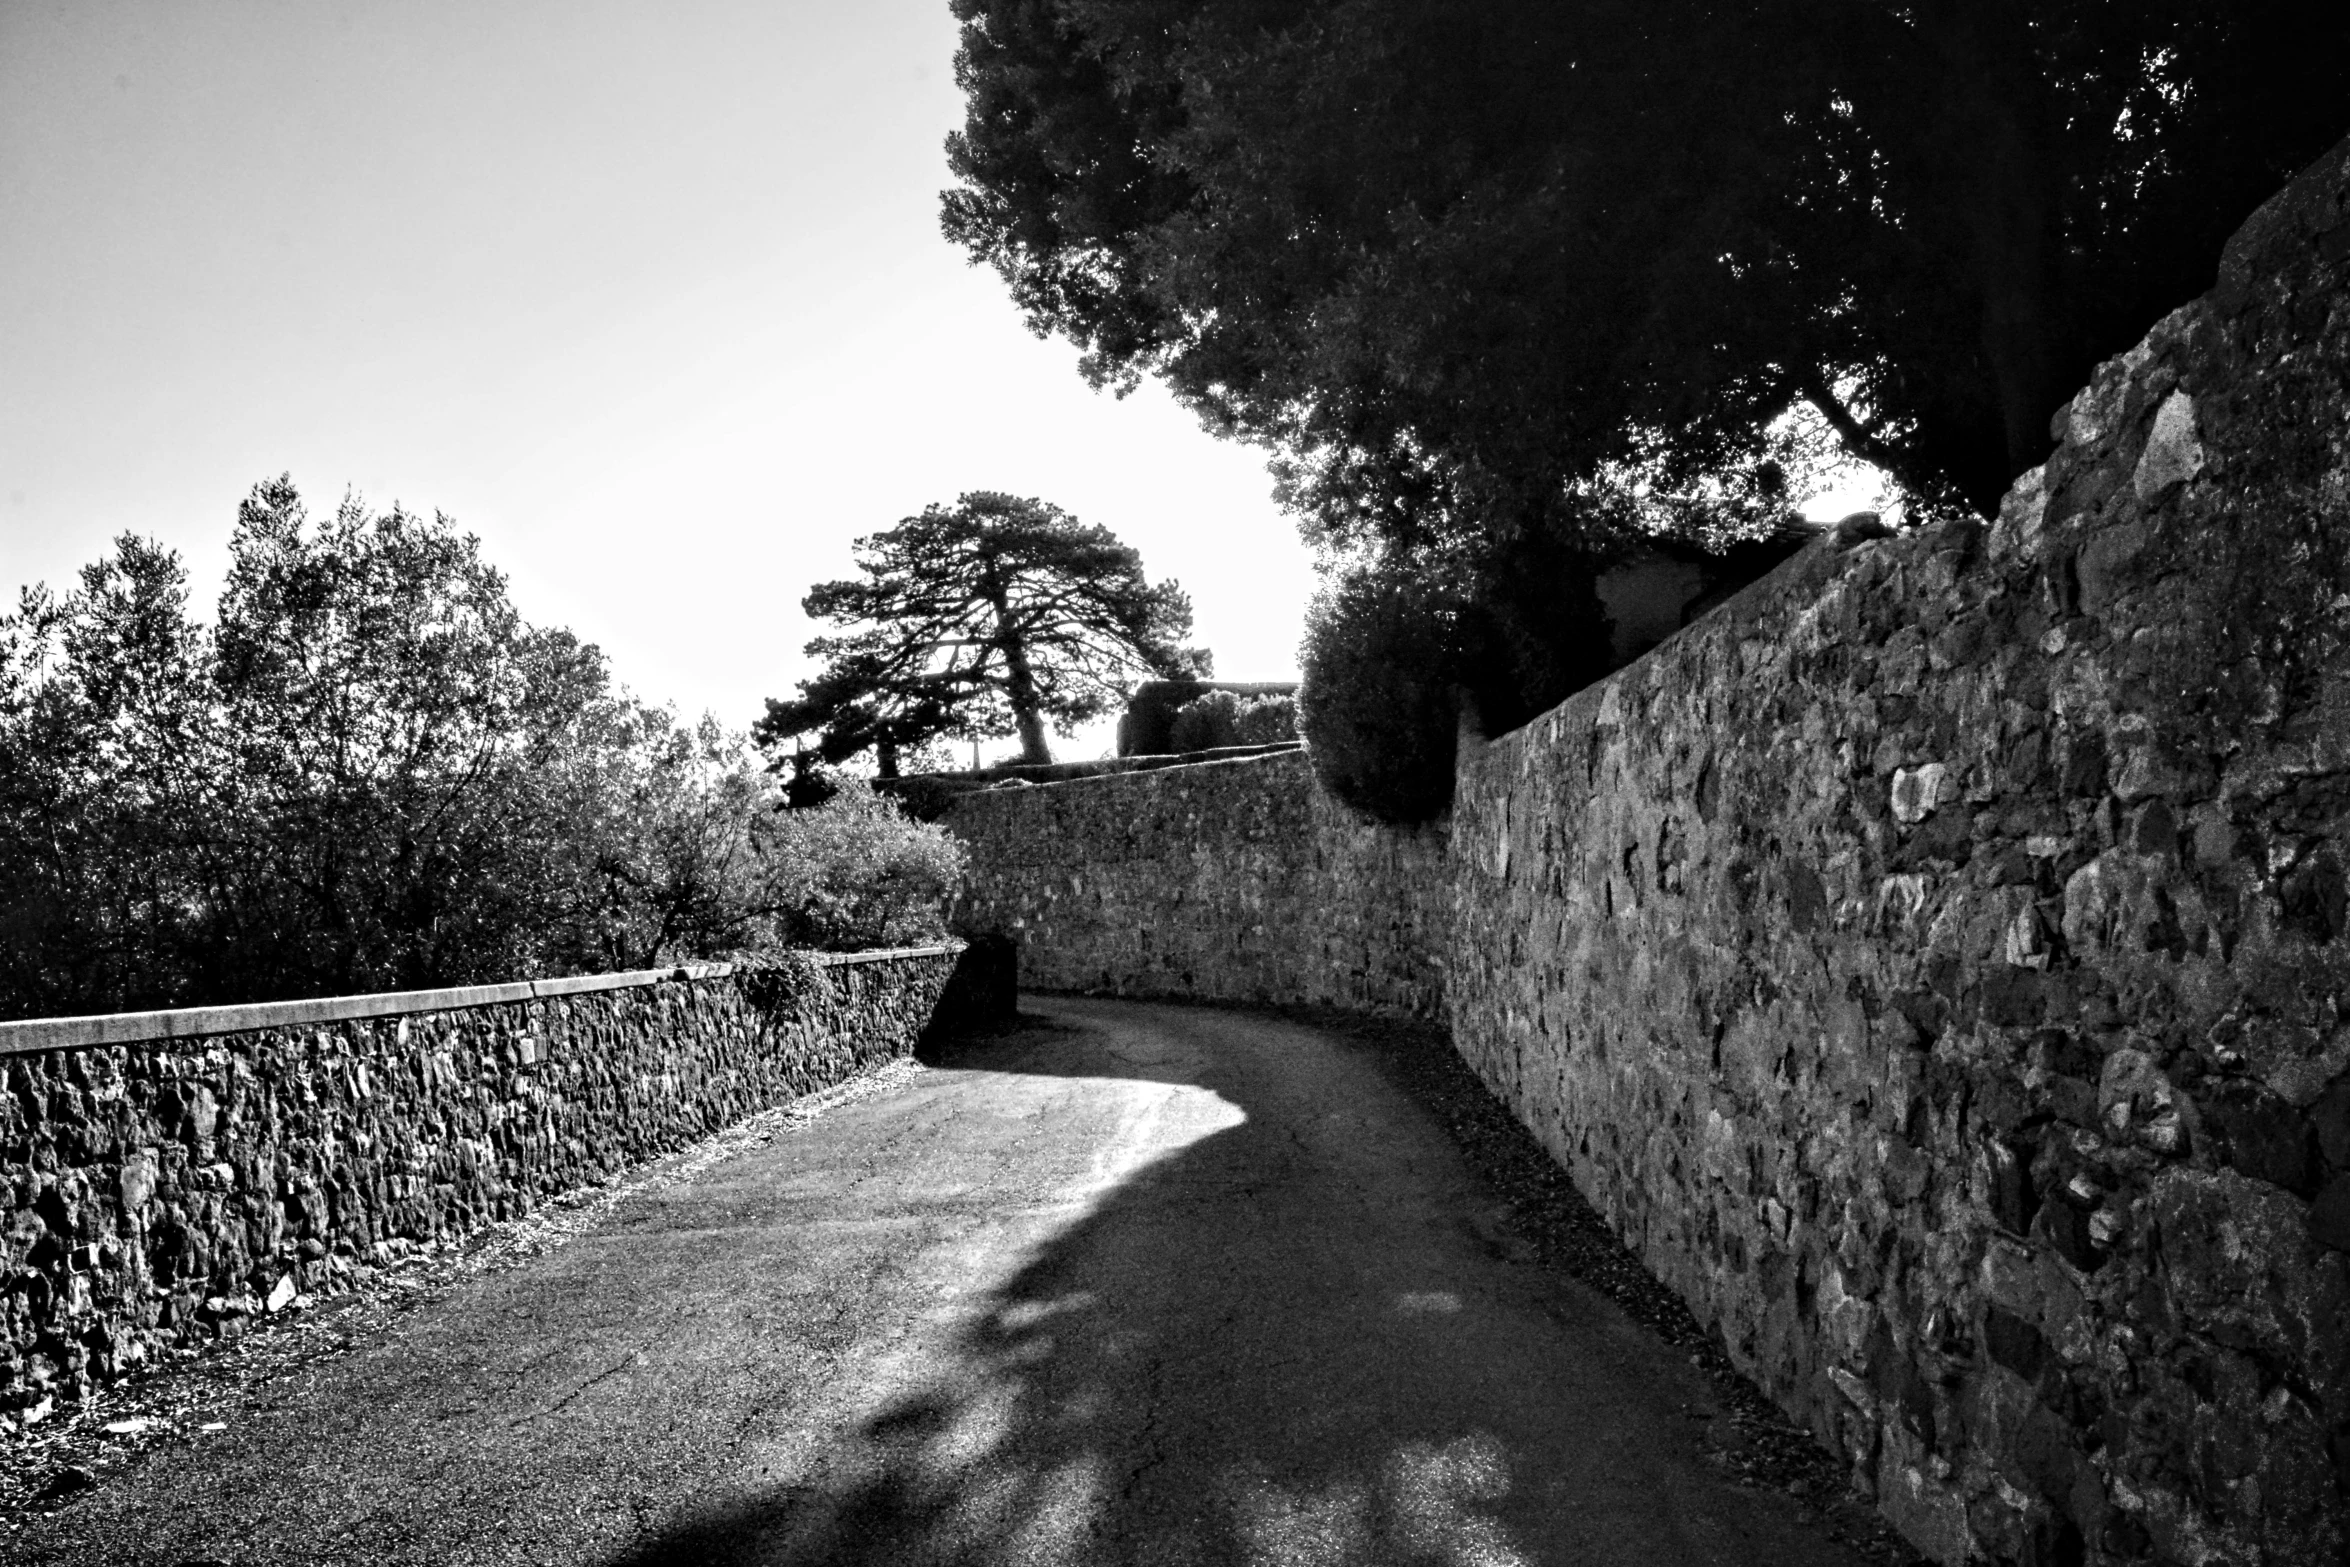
<point x="1025" y="713"/>
<point x="2003" y="151"/>
<point x="1019" y="678"/>
<point x="887" y="750"/>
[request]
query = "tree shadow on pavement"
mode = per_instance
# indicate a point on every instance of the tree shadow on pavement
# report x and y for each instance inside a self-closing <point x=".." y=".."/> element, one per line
<point x="1278" y="1344"/>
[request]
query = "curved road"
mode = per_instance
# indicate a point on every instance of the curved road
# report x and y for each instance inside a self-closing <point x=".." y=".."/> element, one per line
<point x="1134" y="1285"/>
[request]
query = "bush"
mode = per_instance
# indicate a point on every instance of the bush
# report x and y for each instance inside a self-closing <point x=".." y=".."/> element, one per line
<point x="855" y="873"/>
<point x="1268" y="720"/>
<point x="1379" y="709"/>
<point x="1205" y="722"/>
<point x="1144" y="727"/>
<point x="370" y="773"/>
<point x="1222" y="718"/>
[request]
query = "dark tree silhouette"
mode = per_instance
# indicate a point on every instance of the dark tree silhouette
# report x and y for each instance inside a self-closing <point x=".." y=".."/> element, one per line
<point x="994" y="616"/>
<point x="1453" y="257"/>
<point x="865" y="701"/>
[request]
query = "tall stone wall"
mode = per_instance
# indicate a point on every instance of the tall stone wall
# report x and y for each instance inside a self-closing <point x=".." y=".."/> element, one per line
<point x="1936" y="964"/>
<point x="1226" y="881"/>
<point x="157" y="1189"/>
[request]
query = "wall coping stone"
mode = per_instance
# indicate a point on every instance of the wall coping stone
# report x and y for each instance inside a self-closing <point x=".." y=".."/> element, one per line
<point x="29" y="1035"/>
<point x="1156" y="767"/>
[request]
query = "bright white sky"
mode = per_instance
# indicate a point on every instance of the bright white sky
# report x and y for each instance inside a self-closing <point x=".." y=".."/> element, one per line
<point x="651" y="297"/>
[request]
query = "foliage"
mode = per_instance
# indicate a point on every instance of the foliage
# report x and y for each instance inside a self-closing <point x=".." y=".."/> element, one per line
<point x="1267" y="720"/>
<point x="1380" y="706"/>
<point x="1205" y="722"/>
<point x="107" y="752"/>
<point x="775" y="981"/>
<point x="866" y="701"/>
<point x="661" y="821"/>
<point x="1455" y="258"/>
<point x="1222" y="718"/>
<point x="986" y="618"/>
<point x="854" y="873"/>
<point x="368" y="773"/>
<point x="388" y="730"/>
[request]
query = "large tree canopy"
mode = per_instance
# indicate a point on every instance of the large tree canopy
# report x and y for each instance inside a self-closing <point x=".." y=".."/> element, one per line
<point x="1455" y="258"/>
<point x="993" y="616"/>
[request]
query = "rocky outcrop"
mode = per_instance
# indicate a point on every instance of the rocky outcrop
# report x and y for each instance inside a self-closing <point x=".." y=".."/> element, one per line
<point x="1935" y="964"/>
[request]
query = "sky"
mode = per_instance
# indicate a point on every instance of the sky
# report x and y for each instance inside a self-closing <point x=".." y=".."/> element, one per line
<point x="652" y="298"/>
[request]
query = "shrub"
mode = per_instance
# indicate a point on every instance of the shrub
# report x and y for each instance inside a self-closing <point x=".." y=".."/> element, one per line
<point x="1266" y="721"/>
<point x="1222" y="718"/>
<point x="1150" y="714"/>
<point x="854" y="873"/>
<point x="1205" y="722"/>
<point x="777" y="982"/>
<point x="1379" y="709"/>
<point x="370" y="773"/>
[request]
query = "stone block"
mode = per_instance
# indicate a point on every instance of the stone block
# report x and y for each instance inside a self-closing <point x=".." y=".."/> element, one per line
<point x="2329" y="1215"/>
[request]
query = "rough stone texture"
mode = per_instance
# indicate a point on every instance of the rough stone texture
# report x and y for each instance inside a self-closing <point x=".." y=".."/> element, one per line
<point x="174" y="1190"/>
<point x="1934" y="965"/>
<point x="1226" y="881"/>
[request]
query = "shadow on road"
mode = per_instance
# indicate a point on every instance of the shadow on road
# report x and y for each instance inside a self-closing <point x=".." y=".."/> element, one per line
<point x="1276" y="1345"/>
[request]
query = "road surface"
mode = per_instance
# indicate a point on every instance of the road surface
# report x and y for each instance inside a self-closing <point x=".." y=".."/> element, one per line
<point x="1133" y="1285"/>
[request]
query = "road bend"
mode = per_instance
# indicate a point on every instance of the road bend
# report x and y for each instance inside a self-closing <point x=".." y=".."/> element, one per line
<point x="1131" y="1285"/>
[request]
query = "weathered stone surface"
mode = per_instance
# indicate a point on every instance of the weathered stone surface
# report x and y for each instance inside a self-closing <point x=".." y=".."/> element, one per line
<point x="1228" y="881"/>
<point x="1934" y="964"/>
<point x="173" y="1190"/>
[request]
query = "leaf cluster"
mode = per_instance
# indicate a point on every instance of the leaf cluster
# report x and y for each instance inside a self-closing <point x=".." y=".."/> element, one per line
<point x="367" y="773"/>
<point x="1384" y="658"/>
<point x="1224" y="718"/>
<point x="994" y="615"/>
<point x="1451" y="259"/>
<point x="856" y="873"/>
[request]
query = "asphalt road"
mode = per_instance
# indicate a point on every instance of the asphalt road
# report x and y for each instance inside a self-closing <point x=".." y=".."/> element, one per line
<point x="1134" y="1285"/>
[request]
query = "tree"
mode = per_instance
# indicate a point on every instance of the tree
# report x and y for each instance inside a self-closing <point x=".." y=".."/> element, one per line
<point x="1453" y="259"/>
<point x="110" y="764"/>
<point x="1380" y="704"/>
<point x="867" y="701"/>
<point x="855" y="872"/>
<point x="371" y="773"/>
<point x="393" y="725"/>
<point x="990" y="617"/>
<point x="658" y="823"/>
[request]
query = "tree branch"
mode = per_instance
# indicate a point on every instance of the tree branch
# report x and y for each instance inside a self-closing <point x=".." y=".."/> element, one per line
<point x="1858" y="439"/>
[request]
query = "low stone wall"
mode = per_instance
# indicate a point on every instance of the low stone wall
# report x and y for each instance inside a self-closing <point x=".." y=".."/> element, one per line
<point x="170" y="1176"/>
<point x="1935" y="965"/>
<point x="1226" y="881"/>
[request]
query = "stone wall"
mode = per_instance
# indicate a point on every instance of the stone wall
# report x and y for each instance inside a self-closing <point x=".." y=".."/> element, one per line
<point x="1935" y="964"/>
<point x="168" y="1177"/>
<point x="1227" y="881"/>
